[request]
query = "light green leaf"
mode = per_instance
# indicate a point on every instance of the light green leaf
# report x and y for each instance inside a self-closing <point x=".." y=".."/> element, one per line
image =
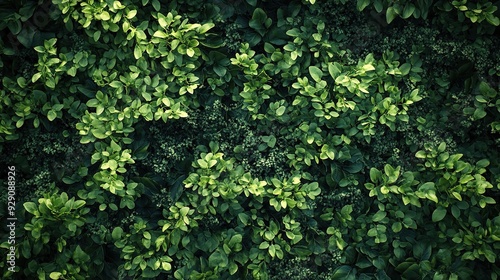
<point x="315" y="73"/>
<point x="113" y="165"/>
<point x="137" y="52"/>
<point x="35" y="77"/>
<point x="280" y="111"/>
<point x="105" y="16"/>
<point x="55" y="275"/>
<point x="30" y="207"/>
<point x="160" y="34"/>
<point x="131" y="14"/>
<point x="51" y="115"/>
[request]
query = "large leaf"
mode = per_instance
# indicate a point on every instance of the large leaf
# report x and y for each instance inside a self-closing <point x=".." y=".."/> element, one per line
<point x="438" y="214"/>
<point x="315" y="73"/>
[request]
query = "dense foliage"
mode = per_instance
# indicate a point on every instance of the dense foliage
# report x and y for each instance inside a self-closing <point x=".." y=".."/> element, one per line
<point x="252" y="139"/>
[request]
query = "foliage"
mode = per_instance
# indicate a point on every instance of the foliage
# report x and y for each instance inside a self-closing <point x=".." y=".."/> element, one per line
<point x="252" y="139"/>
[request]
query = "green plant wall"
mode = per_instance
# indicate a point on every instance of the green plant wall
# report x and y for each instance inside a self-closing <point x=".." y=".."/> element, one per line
<point x="251" y="139"/>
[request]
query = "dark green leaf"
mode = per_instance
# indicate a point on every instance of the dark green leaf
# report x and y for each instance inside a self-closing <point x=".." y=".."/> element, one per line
<point x="438" y="214"/>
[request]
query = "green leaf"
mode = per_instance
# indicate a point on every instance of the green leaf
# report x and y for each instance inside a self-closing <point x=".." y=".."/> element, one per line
<point x="55" y="275"/>
<point x="368" y="67"/>
<point x="405" y="69"/>
<point x="272" y="250"/>
<point x="205" y="27"/>
<point x="258" y="21"/>
<point x="408" y="10"/>
<point x="30" y="207"/>
<point x="131" y="14"/>
<point x="105" y="16"/>
<point x="438" y="214"/>
<point x="244" y="218"/>
<point x="252" y="2"/>
<point x="97" y="35"/>
<point x="235" y="240"/>
<point x="99" y="133"/>
<point x="35" y="77"/>
<point x="137" y="52"/>
<point x="442" y="147"/>
<point x="51" y="115"/>
<point x="379" y="216"/>
<point x="390" y="14"/>
<point x="218" y="259"/>
<point x="483" y="163"/>
<point x="375" y="174"/>
<point x="362" y="4"/>
<point x="479" y="113"/>
<point x="214" y="146"/>
<point x="420" y="154"/>
<point x="379" y="6"/>
<point x="80" y="256"/>
<point x="353" y="167"/>
<point x="344" y="272"/>
<point x="113" y="165"/>
<point x="280" y="111"/>
<point x="20" y="122"/>
<point x="113" y="206"/>
<point x="269" y="48"/>
<point x="220" y="70"/>
<point x="397" y="226"/>
<point x="315" y="73"/>
<point x="156" y="5"/>
<point x="184" y="211"/>
<point x="160" y="34"/>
